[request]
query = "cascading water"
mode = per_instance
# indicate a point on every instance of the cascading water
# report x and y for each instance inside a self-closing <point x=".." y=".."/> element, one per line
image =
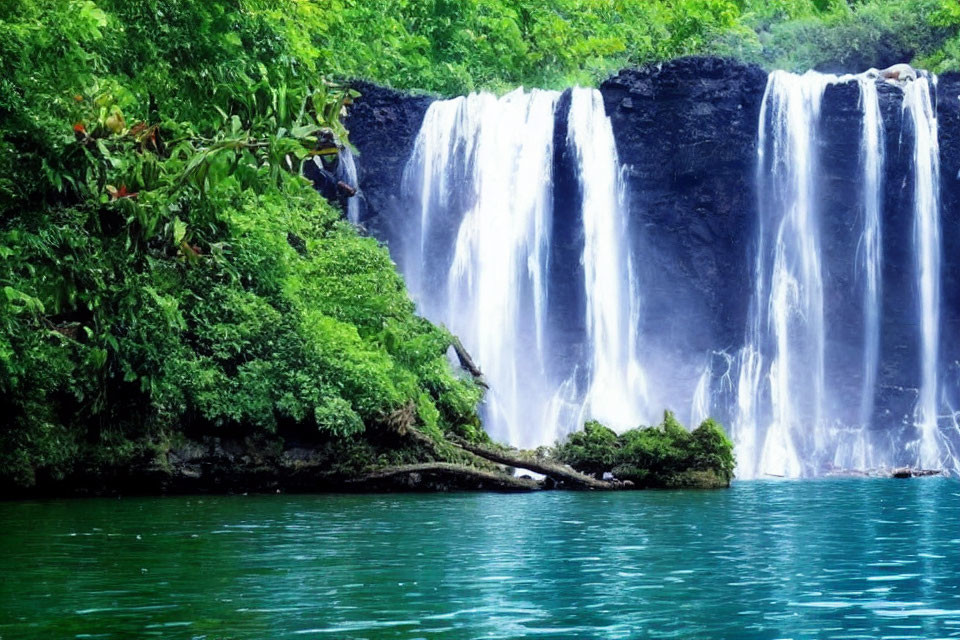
<point x="481" y="167"/>
<point x="347" y="172"/>
<point x="918" y="106"/>
<point x="782" y="382"/>
<point x="482" y="176"/>
<point x="788" y="421"/>
<point x="519" y="242"/>
<point x="617" y="393"/>
<point x="870" y="249"/>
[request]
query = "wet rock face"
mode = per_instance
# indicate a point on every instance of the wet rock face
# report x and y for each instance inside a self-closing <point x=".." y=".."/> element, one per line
<point x="686" y="134"/>
<point x="900" y="347"/>
<point x="383" y="125"/>
<point x="948" y="114"/>
<point x="899" y="372"/>
<point x="841" y="189"/>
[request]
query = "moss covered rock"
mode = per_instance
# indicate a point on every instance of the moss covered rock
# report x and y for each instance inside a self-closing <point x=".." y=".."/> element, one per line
<point x="661" y="456"/>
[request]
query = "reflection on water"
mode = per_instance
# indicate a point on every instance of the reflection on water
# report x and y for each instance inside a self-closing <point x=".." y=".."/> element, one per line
<point x="817" y="559"/>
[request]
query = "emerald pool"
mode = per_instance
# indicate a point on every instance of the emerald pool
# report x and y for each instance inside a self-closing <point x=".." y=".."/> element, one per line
<point x="811" y="559"/>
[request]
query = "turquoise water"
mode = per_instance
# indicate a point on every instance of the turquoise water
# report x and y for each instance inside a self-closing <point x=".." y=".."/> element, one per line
<point x="819" y="559"/>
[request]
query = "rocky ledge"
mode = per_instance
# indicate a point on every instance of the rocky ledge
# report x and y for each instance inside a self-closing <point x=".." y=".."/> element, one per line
<point x="410" y="461"/>
<point x="898" y="472"/>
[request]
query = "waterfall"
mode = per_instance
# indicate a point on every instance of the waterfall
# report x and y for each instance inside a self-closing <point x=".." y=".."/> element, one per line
<point x="482" y="172"/>
<point x="870" y="249"/>
<point x="918" y="106"/>
<point x="790" y="419"/>
<point x="517" y="239"/>
<point x="481" y="176"/>
<point x="347" y="172"/>
<point x="617" y="393"/>
<point x="784" y="356"/>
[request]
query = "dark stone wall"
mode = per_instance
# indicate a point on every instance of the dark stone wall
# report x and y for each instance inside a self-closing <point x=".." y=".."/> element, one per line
<point x="839" y="199"/>
<point x="948" y="116"/>
<point x="566" y="292"/>
<point x="899" y="374"/>
<point x="383" y="125"/>
<point x="686" y="132"/>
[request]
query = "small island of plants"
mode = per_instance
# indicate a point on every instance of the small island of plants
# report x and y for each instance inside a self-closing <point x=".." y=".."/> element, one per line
<point x="662" y="456"/>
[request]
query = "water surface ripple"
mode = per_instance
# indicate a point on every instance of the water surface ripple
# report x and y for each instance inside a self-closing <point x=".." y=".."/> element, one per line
<point x="816" y="559"/>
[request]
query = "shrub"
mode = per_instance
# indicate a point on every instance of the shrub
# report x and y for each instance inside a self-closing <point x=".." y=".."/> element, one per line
<point x="665" y="455"/>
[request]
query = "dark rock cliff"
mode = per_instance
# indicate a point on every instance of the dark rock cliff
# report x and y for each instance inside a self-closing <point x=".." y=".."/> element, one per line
<point x="383" y="125"/>
<point x="686" y="133"/>
<point x="948" y="116"/>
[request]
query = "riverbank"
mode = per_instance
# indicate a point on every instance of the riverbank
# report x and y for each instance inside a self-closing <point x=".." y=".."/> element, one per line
<point x="401" y="460"/>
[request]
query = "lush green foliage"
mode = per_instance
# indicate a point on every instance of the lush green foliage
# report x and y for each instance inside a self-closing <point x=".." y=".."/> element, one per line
<point x="163" y="266"/>
<point x="452" y="46"/>
<point x="666" y="455"/>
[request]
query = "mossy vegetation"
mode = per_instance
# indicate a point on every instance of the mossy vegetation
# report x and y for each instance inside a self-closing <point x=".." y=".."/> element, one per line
<point x="455" y="46"/>
<point x="149" y="196"/>
<point x="661" y="456"/>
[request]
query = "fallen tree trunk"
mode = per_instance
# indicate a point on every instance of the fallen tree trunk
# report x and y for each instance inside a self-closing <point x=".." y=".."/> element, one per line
<point x="560" y="473"/>
<point x="441" y="476"/>
<point x="467" y="363"/>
